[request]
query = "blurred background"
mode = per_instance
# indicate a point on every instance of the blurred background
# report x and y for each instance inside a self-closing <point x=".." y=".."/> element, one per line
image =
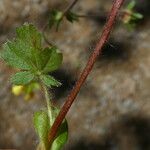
<point x="112" y="110"/>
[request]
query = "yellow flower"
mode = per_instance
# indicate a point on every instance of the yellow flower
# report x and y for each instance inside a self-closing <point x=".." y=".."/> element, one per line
<point x="17" y="89"/>
<point x="28" y="91"/>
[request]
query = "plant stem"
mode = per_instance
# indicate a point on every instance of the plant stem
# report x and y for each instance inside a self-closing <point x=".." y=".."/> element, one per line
<point x="48" y="102"/>
<point x="97" y="51"/>
<point x="70" y="7"/>
<point x="47" y="41"/>
<point x="91" y="16"/>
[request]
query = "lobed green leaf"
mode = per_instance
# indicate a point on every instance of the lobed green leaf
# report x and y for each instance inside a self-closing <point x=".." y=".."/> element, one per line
<point x="23" y="52"/>
<point x="26" y="53"/>
<point x="22" y="78"/>
<point x="54" y="61"/>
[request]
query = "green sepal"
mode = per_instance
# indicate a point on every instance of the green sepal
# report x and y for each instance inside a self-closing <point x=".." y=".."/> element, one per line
<point x="50" y="81"/>
<point x="22" y="78"/>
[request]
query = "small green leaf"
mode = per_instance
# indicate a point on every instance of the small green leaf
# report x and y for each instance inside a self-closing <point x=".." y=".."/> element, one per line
<point x="50" y="81"/>
<point x="42" y="126"/>
<point x="54" y="61"/>
<point x="72" y="17"/>
<point x="131" y="5"/>
<point x="23" y="52"/>
<point x="137" y="15"/>
<point x="22" y="78"/>
<point x="26" y="51"/>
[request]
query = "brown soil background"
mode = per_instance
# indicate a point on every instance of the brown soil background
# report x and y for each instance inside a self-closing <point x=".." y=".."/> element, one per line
<point x="112" y="110"/>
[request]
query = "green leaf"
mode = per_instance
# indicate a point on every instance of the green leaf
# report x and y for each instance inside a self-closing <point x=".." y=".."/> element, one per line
<point x="45" y="56"/>
<point x="72" y="17"/>
<point x="55" y="18"/>
<point x="61" y="137"/>
<point x="42" y="126"/>
<point x="14" y="59"/>
<point x="50" y="81"/>
<point x="137" y="15"/>
<point x="131" y="5"/>
<point x="22" y="78"/>
<point x="29" y="40"/>
<point x="29" y="35"/>
<point x="23" y="52"/>
<point x="54" y="61"/>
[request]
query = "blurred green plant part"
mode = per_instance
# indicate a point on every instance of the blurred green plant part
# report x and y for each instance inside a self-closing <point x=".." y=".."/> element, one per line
<point x="137" y="15"/>
<point x="131" y="17"/>
<point x="55" y="19"/>
<point x="131" y="5"/>
<point x="30" y="89"/>
<point x="71" y="17"/>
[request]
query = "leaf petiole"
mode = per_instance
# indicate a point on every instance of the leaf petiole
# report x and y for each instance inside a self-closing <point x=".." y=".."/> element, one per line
<point x="48" y="98"/>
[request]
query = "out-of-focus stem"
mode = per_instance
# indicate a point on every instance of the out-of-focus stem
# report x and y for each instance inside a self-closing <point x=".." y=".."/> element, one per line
<point x="70" y="6"/>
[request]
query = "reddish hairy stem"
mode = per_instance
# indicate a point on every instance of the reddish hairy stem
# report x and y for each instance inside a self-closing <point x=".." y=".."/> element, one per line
<point x="97" y="51"/>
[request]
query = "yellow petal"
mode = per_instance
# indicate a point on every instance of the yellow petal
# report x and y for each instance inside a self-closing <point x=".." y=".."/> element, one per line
<point x="17" y="89"/>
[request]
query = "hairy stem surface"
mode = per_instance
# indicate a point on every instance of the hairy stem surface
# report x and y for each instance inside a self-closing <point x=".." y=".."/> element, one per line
<point x="48" y="102"/>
